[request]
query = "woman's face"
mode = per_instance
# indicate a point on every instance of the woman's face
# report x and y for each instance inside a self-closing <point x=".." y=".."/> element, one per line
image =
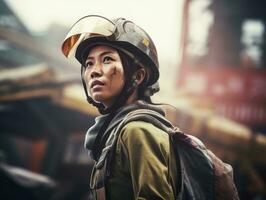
<point x="104" y="74"/>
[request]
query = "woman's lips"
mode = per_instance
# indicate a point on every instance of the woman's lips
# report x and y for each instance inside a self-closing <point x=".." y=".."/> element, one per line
<point x="96" y="83"/>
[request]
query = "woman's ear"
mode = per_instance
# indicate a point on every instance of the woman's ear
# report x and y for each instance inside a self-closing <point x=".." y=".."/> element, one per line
<point x="139" y="76"/>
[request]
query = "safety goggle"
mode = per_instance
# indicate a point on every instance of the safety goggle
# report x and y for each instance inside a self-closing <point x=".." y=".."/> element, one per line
<point x="87" y="27"/>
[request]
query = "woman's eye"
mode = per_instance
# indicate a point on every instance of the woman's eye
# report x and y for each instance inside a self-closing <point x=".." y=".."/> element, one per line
<point x="107" y="59"/>
<point x="88" y="64"/>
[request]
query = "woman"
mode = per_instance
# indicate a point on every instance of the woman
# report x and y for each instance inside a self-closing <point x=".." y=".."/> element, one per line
<point x="133" y="155"/>
<point x="120" y="72"/>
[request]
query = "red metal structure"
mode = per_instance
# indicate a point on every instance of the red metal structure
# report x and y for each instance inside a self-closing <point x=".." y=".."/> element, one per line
<point x="224" y="57"/>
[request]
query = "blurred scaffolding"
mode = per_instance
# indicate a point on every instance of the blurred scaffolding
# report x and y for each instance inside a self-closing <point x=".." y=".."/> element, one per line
<point x="43" y="117"/>
<point x="221" y="84"/>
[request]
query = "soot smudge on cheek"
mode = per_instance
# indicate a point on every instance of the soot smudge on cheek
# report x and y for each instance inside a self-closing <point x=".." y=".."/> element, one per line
<point x="114" y="72"/>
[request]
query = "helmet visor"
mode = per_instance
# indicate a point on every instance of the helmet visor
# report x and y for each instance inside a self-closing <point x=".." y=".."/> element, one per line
<point x="87" y="27"/>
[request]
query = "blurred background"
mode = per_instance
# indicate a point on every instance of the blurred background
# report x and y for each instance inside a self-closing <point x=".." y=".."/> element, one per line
<point x="212" y="56"/>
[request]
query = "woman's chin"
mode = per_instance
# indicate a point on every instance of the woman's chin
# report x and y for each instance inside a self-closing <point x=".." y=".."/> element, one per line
<point x="98" y="98"/>
<point x="101" y="99"/>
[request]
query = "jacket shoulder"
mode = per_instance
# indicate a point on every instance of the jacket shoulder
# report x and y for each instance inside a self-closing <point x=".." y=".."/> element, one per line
<point x="137" y="131"/>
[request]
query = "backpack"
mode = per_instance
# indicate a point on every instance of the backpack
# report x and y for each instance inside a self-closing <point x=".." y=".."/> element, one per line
<point x="203" y="175"/>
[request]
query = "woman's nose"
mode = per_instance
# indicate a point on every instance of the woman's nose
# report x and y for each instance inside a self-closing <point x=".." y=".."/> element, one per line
<point x="96" y="71"/>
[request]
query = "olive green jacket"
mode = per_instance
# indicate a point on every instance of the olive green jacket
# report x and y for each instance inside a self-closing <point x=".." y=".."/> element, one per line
<point x="141" y="165"/>
<point x="139" y="161"/>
